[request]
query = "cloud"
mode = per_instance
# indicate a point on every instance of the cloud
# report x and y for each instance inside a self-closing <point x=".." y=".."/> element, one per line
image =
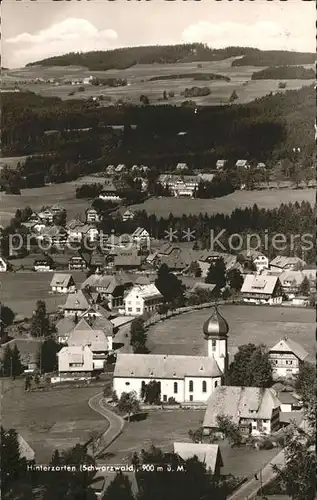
<point x="263" y="35"/>
<point x="70" y="35"/>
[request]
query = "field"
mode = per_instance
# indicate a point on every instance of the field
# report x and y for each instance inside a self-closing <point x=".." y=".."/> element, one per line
<point x="65" y="194"/>
<point x="20" y="291"/>
<point x="257" y="324"/>
<point x="49" y="420"/>
<point x="138" y="76"/>
<point x="163" y="428"/>
<point x="162" y="207"/>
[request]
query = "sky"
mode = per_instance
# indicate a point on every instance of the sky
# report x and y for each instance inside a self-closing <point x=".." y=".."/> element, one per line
<point x="33" y="30"/>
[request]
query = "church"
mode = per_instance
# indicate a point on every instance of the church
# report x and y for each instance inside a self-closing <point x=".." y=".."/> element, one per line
<point x="184" y="379"/>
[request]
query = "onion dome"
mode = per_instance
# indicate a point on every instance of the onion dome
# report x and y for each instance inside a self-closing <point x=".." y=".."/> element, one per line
<point x="215" y="326"/>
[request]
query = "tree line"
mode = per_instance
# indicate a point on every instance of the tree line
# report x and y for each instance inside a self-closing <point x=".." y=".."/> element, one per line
<point x="266" y="129"/>
<point x="284" y="72"/>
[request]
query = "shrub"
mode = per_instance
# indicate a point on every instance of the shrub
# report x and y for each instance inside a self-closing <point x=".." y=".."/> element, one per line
<point x="266" y="444"/>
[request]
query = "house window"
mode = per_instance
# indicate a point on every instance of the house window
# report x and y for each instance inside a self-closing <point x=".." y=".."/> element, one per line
<point x="130" y="309"/>
<point x="213" y="343"/>
<point x="138" y="309"/>
<point x="216" y="383"/>
<point x="175" y="387"/>
<point x="191" y="386"/>
<point x="127" y="383"/>
<point x="191" y="397"/>
<point x="204" y="386"/>
<point x="164" y="397"/>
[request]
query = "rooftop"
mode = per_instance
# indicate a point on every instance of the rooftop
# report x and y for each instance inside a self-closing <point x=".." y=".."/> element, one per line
<point x="209" y="454"/>
<point x="287" y="345"/>
<point x="240" y="402"/>
<point x="259" y="284"/>
<point x="165" y="366"/>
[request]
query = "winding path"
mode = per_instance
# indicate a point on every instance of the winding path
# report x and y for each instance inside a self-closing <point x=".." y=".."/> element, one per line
<point x="116" y="423"/>
<point x="249" y="490"/>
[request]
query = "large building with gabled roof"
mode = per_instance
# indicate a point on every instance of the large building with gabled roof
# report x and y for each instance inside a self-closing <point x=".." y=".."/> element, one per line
<point x="185" y="379"/>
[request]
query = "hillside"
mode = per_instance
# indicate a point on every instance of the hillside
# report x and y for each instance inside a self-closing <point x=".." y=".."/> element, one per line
<point x="275" y="58"/>
<point x="130" y="56"/>
<point x="284" y="73"/>
<point x="171" y="54"/>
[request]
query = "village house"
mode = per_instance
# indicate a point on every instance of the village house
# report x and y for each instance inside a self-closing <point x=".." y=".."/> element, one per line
<point x="110" y="169"/>
<point x="301" y="301"/>
<point x="110" y="287"/>
<point x="286" y="357"/>
<point x="62" y="283"/>
<point x="288" y="402"/>
<point x="262" y="290"/>
<point x="206" y="259"/>
<point x="141" y="238"/>
<point x="208" y="454"/>
<point x="282" y="263"/>
<point x="73" y="229"/>
<point x="256" y="259"/>
<point x="220" y="164"/>
<point x="120" y="168"/>
<point x="46" y="216"/>
<point x="254" y="409"/>
<point x="185" y="379"/>
<point x="44" y="264"/>
<point x="141" y="299"/>
<point x="77" y="263"/>
<point x="57" y="209"/>
<point x="75" y="360"/>
<point x="242" y="164"/>
<point x="110" y="193"/>
<point x="77" y="303"/>
<point x="291" y="281"/>
<point x="92" y="216"/>
<point x="56" y="236"/>
<point x="181" y="167"/>
<point x="180" y="185"/>
<point x="127" y="260"/>
<point x="128" y="215"/>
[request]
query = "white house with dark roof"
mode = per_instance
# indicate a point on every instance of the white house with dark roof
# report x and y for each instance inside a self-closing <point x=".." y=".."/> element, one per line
<point x="141" y="237"/>
<point x="62" y="283"/>
<point x="254" y="409"/>
<point x="286" y="357"/>
<point x="141" y="299"/>
<point x="220" y="164"/>
<point x="109" y="286"/>
<point x="263" y="289"/>
<point x="187" y="379"/>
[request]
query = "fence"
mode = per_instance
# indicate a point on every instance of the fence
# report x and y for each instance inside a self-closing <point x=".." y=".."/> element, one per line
<point x="181" y="310"/>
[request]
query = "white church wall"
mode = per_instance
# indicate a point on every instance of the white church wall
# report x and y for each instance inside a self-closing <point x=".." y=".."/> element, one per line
<point x="198" y="393"/>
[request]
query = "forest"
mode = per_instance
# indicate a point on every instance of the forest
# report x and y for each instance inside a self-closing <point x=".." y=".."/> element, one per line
<point x="284" y="72"/>
<point x="194" y="76"/>
<point x="267" y="130"/>
<point x="171" y="54"/>
<point x="275" y="58"/>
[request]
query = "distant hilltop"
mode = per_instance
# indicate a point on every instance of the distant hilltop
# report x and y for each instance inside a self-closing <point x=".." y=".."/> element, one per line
<point x="171" y="54"/>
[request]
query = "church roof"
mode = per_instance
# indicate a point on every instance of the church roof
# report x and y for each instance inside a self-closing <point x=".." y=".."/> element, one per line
<point x="216" y="325"/>
<point x="165" y="366"/>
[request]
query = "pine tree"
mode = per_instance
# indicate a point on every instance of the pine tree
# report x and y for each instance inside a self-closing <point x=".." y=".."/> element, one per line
<point x="217" y="274"/>
<point x="7" y="368"/>
<point x="304" y="287"/>
<point x="119" y="489"/>
<point x="16" y="362"/>
<point x="40" y="325"/>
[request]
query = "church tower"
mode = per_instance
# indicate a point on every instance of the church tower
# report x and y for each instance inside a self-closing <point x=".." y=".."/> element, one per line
<point x="216" y="333"/>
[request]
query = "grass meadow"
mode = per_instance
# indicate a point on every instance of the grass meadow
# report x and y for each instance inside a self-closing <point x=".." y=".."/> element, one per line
<point x="266" y="198"/>
<point x="53" y="419"/>
<point x="257" y="324"/>
<point x="21" y="290"/>
<point x="138" y="76"/>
